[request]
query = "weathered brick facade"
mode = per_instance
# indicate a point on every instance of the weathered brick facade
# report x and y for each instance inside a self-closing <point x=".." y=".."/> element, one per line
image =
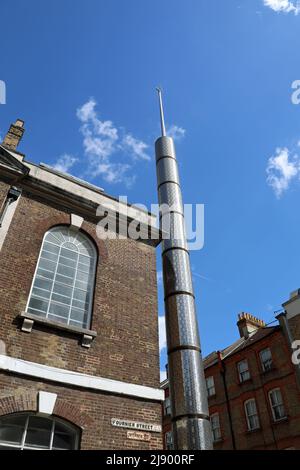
<point x="124" y="316"/>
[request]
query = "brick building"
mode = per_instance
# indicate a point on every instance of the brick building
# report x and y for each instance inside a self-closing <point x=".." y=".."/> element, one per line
<point x="79" y="358"/>
<point x="253" y="386"/>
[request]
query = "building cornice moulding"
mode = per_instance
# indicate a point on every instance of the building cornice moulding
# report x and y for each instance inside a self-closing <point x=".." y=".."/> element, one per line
<point x="68" y="377"/>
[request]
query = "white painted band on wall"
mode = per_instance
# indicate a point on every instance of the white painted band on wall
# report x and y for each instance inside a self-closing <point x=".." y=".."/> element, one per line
<point x="33" y="369"/>
<point x="7" y="220"/>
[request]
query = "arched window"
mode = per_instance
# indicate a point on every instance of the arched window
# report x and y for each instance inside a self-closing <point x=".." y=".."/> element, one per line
<point x="29" y="431"/>
<point x="63" y="284"/>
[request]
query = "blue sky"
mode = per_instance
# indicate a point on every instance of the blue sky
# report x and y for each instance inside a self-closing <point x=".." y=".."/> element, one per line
<point x="83" y="74"/>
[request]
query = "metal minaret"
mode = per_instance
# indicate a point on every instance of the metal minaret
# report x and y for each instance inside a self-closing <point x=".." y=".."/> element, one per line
<point x="190" y="420"/>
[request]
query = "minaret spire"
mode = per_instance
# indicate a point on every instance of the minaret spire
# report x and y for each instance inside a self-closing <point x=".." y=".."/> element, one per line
<point x="161" y="108"/>
<point x="190" y="421"/>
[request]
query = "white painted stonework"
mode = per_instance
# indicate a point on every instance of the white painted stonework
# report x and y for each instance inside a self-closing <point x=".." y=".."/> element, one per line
<point x="64" y="376"/>
<point x="7" y="220"/>
<point x="76" y="221"/>
<point x="46" y="402"/>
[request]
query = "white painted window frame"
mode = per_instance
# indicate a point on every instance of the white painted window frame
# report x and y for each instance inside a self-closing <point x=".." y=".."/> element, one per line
<point x="54" y="420"/>
<point x="269" y="361"/>
<point x="216" y="427"/>
<point x="251" y="415"/>
<point x="92" y="276"/>
<point x="211" y="390"/>
<point x="243" y="372"/>
<point x="276" y="405"/>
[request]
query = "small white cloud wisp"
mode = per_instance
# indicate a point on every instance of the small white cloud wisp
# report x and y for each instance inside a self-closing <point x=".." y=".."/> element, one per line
<point x="176" y="132"/>
<point x="65" y="162"/>
<point x="162" y="332"/>
<point x="283" y="6"/>
<point x="282" y="169"/>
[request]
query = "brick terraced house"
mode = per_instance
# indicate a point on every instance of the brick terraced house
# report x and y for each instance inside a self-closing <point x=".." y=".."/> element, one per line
<point x="253" y="386"/>
<point x="79" y="357"/>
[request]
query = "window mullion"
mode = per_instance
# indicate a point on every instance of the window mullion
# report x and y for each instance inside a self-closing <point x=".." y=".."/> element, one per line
<point x="24" y="433"/>
<point x="73" y="289"/>
<point x="52" y="435"/>
<point x="52" y="288"/>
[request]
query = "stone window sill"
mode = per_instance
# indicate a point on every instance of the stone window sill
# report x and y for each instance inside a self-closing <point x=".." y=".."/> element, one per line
<point x="87" y="336"/>
<point x="244" y="382"/>
<point x="253" y="431"/>
<point x="280" y="421"/>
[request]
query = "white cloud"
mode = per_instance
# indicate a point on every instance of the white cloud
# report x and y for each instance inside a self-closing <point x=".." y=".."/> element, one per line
<point x="176" y="132"/>
<point x="137" y="147"/>
<point x="163" y="375"/>
<point x="65" y="162"/>
<point x="162" y="332"/>
<point x="285" y="6"/>
<point x="281" y="170"/>
<point x="159" y="276"/>
<point x="109" y="150"/>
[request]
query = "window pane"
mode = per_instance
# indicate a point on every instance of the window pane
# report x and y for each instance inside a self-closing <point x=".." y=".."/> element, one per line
<point x="64" y="280"/>
<point x="60" y="310"/>
<point x="42" y="283"/>
<point x="47" y="265"/>
<point x="49" y="256"/>
<point x="243" y="366"/>
<point x="38" y="304"/>
<point x="45" y="294"/>
<point x="63" y="437"/>
<point x="81" y="295"/>
<point x="69" y="254"/>
<point x="61" y="299"/>
<point x="84" y="268"/>
<point x="50" y="247"/>
<point x="77" y="315"/>
<point x="68" y="262"/>
<point x="66" y="270"/>
<point x="12" y="428"/>
<point x="84" y="260"/>
<point x="38" y="432"/>
<point x="45" y="274"/>
<point x="62" y="289"/>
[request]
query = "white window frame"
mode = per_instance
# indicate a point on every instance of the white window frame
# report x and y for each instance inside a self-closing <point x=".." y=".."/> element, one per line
<point x="253" y="415"/>
<point x="216" y="429"/>
<point x="211" y="390"/>
<point x="277" y="405"/>
<point x="169" y="440"/>
<point x="269" y="361"/>
<point x="167" y="406"/>
<point x="54" y="420"/>
<point x="245" y="371"/>
<point x="75" y="234"/>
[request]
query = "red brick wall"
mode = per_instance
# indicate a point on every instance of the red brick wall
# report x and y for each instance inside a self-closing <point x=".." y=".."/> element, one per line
<point x="271" y="435"/>
<point x="125" y="305"/>
<point x="91" y="411"/>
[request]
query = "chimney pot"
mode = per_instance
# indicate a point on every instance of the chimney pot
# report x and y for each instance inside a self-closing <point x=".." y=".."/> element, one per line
<point x="248" y="323"/>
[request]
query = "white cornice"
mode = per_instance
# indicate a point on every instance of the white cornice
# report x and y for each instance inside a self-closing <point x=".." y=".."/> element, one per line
<point x="68" y="377"/>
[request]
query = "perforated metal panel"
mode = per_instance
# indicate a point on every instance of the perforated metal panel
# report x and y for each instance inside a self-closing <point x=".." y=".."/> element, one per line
<point x="191" y="426"/>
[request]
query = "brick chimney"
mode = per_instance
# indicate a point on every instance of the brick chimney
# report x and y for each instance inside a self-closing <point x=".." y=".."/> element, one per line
<point x="247" y="324"/>
<point x="14" y="135"/>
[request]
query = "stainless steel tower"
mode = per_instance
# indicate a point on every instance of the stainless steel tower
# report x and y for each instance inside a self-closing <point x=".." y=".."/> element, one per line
<point x="190" y="420"/>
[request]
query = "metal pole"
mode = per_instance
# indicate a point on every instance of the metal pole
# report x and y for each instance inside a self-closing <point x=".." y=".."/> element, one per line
<point x="189" y="409"/>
